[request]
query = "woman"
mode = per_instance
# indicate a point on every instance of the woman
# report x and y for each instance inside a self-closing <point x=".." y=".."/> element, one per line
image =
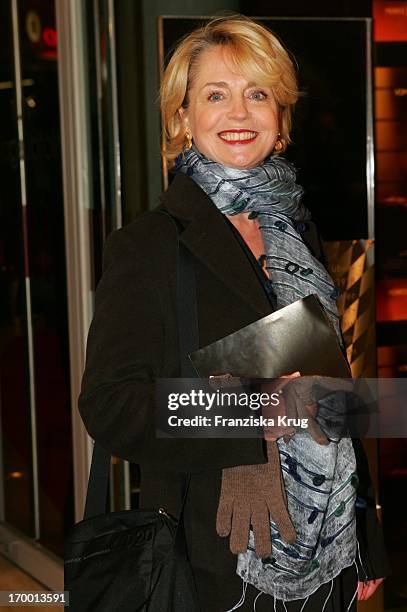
<point x="227" y="97"/>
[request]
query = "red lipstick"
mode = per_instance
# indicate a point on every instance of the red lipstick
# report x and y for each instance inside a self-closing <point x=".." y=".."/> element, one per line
<point x="237" y="137"/>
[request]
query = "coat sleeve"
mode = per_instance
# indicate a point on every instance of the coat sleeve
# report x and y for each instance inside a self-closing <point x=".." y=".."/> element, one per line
<point x="117" y="392"/>
<point x="125" y="356"/>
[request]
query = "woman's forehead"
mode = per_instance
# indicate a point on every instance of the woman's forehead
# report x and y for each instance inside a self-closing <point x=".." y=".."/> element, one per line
<point x="219" y="66"/>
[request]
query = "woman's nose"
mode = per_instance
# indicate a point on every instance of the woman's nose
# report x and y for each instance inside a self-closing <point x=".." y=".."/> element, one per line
<point x="238" y="109"/>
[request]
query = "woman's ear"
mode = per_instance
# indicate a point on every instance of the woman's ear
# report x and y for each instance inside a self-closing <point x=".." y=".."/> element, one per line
<point x="183" y="117"/>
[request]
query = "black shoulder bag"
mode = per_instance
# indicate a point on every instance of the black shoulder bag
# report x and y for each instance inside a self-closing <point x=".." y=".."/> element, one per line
<point x="135" y="560"/>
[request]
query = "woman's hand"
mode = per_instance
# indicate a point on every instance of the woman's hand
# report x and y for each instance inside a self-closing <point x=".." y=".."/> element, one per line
<point x="366" y="589"/>
<point x="221" y="381"/>
<point x="299" y="401"/>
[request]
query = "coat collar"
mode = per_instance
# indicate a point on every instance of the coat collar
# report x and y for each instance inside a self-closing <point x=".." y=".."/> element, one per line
<point x="208" y="236"/>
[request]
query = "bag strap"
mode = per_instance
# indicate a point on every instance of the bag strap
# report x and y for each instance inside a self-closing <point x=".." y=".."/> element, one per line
<point x="188" y="340"/>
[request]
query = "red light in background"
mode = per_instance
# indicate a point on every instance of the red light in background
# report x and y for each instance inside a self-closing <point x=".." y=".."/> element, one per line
<point x="390" y="21"/>
<point x="49" y="36"/>
<point x="391" y="300"/>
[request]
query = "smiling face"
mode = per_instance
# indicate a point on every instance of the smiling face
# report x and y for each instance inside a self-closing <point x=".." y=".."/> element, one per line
<point x="232" y="120"/>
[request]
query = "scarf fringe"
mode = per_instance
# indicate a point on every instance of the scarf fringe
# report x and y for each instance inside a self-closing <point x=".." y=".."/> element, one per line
<point x="355" y="593"/>
<point x="242" y="599"/>
<point x="329" y="595"/>
<point x="257" y="596"/>
<point x="365" y="579"/>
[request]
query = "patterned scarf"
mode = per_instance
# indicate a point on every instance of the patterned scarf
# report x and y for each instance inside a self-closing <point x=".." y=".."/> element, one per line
<point x="320" y="481"/>
<point x="270" y="193"/>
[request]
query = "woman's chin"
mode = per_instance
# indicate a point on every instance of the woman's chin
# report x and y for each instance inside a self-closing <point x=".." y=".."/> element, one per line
<point x="238" y="160"/>
<point x="244" y="163"/>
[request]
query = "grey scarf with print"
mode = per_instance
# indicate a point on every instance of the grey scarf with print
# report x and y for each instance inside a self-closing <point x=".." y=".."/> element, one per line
<point x="269" y="192"/>
<point x="320" y="481"/>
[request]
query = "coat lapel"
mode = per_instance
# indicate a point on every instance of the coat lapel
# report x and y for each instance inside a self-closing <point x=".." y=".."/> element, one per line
<point x="208" y="236"/>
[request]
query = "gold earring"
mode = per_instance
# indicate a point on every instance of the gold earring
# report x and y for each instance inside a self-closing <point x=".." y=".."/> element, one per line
<point x="188" y="140"/>
<point x="279" y="144"/>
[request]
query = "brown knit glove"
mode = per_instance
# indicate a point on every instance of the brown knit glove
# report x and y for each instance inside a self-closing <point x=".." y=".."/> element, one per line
<point x="249" y="495"/>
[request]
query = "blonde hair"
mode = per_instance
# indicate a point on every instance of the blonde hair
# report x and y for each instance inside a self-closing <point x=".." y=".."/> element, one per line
<point x="257" y="53"/>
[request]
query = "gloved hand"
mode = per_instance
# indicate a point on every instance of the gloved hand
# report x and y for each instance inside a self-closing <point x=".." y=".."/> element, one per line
<point x="301" y="397"/>
<point x="249" y="495"/>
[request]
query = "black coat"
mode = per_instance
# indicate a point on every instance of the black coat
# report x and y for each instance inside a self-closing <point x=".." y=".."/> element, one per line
<point x="133" y="341"/>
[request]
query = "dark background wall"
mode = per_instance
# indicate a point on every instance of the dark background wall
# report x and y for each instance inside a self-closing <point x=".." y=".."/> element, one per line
<point x="336" y="88"/>
<point x="313" y="8"/>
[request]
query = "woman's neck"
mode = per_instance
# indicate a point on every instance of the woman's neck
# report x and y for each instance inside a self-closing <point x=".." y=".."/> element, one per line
<point x="250" y="232"/>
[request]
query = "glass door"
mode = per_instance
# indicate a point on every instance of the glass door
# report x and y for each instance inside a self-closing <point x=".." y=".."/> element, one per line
<point x="36" y="436"/>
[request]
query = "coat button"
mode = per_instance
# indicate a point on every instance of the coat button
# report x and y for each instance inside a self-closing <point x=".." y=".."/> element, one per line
<point x="301" y="227"/>
<point x="336" y="292"/>
<point x="281" y="225"/>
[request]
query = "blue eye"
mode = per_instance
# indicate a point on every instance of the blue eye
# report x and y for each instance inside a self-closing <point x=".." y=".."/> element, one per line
<point x="215" y="96"/>
<point x="258" y="95"/>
